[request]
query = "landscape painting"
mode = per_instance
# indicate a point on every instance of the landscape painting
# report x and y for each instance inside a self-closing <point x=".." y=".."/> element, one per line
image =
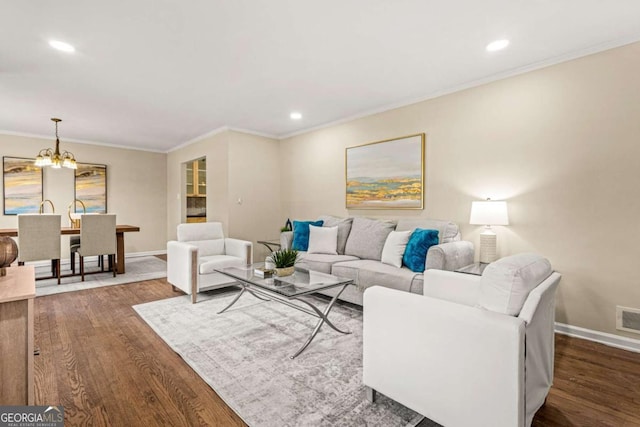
<point x="91" y="187"/>
<point x="387" y="174"/>
<point x="22" y="181"/>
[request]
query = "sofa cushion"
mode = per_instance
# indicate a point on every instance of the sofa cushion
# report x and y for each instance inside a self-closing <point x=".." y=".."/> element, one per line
<point x="368" y="273"/>
<point x="207" y="236"/>
<point x="506" y="283"/>
<point x="209" y="247"/>
<point x="320" y="262"/>
<point x="415" y="255"/>
<point x="367" y="238"/>
<point x="301" y="234"/>
<point x="323" y="240"/>
<point x="209" y="264"/>
<point x="447" y="230"/>
<point x="394" y="248"/>
<point x="344" y="227"/>
<point x="200" y="231"/>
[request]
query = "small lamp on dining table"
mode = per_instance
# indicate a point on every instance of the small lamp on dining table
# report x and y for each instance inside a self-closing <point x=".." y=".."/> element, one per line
<point x="488" y="213"/>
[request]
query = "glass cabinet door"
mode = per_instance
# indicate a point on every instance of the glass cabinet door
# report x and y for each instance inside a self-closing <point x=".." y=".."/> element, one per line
<point x="202" y="177"/>
<point x="190" y="188"/>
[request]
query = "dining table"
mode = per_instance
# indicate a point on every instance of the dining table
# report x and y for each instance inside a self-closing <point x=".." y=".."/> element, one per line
<point x="70" y="231"/>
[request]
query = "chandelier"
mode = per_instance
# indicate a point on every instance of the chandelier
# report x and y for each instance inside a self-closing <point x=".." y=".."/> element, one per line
<point x="48" y="157"/>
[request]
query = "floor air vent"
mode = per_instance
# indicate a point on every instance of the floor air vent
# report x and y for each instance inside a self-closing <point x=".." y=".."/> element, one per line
<point x="628" y="319"/>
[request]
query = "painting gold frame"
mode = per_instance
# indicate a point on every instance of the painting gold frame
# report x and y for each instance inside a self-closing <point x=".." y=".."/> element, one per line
<point x="386" y="174"/>
<point x="22" y="185"/>
<point x="90" y="187"/>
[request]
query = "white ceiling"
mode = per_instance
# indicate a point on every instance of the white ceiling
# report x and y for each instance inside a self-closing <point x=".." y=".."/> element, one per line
<point x="154" y="74"/>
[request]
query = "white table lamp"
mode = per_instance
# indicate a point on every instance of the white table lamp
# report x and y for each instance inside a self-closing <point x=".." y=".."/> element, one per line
<point x="488" y="213"/>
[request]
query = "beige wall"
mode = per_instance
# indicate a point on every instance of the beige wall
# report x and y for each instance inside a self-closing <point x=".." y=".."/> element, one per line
<point x="243" y="185"/>
<point x="561" y="144"/>
<point x="254" y="190"/>
<point x="136" y="189"/>
<point x="215" y="149"/>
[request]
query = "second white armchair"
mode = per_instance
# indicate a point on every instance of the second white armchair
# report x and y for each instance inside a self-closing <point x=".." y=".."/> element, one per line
<point x="201" y="248"/>
<point x="472" y="350"/>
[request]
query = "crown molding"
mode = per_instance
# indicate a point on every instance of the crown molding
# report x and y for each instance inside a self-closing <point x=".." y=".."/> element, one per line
<point x="601" y="47"/>
<point x="221" y="129"/>
<point x="253" y="132"/>
<point x="436" y="94"/>
<point x="79" y="141"/>
<point x="199" y="138"/>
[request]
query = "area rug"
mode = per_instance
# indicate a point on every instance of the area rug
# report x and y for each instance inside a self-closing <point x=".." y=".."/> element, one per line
<point x="243" y="354"/>
<point x="137" y="270"/>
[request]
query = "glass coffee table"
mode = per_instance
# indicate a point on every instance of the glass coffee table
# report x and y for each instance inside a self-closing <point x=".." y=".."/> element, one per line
<point x="288" y="289"/>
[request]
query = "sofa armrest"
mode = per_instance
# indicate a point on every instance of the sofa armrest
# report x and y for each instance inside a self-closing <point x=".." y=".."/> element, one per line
<point x="449" y="356"/>
<point x="286" y="239"/>
<point x="454" y="287"/>
<point x="450" y="256"/>
<point x="239" y="248"/>
<point x="182" y="266"/>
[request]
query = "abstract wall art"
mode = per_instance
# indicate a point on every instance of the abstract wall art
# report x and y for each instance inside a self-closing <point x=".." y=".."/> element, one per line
<point x="386" y="174"/>
<point x="22" y="184"/>
<point x="91" y="187"/>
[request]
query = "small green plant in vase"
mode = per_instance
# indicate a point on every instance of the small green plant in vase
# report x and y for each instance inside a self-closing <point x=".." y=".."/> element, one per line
<point x="284" y="261"/>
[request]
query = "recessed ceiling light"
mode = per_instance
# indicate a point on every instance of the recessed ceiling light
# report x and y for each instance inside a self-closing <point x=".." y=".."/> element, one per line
<point x="497" y="45"/>
<point x="295" y="115"/>
<point x="65" y="47"/>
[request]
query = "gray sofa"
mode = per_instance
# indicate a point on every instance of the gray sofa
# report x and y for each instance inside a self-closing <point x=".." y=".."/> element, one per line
<point x="360" y="244"/>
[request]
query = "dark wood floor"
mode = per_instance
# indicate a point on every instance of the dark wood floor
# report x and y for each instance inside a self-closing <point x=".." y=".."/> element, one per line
<point x="107" y="367"/>
<point x="594" y="385"/>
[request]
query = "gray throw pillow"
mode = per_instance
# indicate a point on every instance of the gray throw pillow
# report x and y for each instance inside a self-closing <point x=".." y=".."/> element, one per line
<point x="367" y="238"/>
<point x="344" y="227"/>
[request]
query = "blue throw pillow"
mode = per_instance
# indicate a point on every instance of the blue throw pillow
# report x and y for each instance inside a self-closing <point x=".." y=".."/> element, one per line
<point x="415" y="255"/>
<point x="301" y="234"/>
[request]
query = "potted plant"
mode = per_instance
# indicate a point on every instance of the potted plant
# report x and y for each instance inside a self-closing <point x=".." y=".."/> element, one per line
<point x="284" y="261"/>
<point x="287" y="226"/>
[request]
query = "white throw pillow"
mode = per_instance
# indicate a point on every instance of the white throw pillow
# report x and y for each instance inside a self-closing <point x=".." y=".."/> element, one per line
<point x="394" y="247"/>
<point x="506" y="283"/>
<point x="323" y="240"/>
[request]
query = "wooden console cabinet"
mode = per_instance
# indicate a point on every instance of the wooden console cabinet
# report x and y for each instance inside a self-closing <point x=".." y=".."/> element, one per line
<point x="17" y="293"/>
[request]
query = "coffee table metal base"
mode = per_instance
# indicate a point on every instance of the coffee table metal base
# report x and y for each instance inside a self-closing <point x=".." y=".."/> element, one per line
<point x="322" y="315"/>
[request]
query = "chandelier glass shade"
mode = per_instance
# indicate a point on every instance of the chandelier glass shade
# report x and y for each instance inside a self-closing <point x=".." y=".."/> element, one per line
<point x="53" y="158"/>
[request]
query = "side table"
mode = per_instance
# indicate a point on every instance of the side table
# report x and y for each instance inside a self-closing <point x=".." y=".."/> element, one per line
<point x="268" y="243"/>
<point x="477" y="268"/>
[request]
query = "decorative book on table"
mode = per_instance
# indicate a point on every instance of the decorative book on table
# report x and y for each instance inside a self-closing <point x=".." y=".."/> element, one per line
<point x="263" y="272"/>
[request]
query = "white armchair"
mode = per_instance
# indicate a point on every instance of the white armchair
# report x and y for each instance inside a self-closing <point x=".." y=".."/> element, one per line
<point x="199" y="250"/>
<point x="472" y="350"/>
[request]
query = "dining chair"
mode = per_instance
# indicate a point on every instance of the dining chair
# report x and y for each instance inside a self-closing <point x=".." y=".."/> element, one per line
<point x="98" y="238"/>
<point x="39" y="239"/>
<point x="74" y="241"/>
<point x="74" y="244"/>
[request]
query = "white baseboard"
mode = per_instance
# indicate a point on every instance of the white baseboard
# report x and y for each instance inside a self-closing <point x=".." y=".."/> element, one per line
<point x="148" y="253"/>
<point x="67" y="261"/>
<point x="611" y="340"/>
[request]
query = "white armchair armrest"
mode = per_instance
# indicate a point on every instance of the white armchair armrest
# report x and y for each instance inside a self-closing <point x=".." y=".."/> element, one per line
<point x="182" y="266"/>
<point x="421" y="351"/>
<point x="454" y="287"/>
<point x="450" y="256"/>
<point x="239" y="248"/>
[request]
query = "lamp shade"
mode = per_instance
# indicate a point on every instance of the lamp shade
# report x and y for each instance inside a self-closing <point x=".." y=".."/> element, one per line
<point x="489" y="212"/>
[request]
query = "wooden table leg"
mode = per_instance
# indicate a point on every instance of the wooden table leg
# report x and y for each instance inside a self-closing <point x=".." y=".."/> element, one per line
<point x="120" y="252"/>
